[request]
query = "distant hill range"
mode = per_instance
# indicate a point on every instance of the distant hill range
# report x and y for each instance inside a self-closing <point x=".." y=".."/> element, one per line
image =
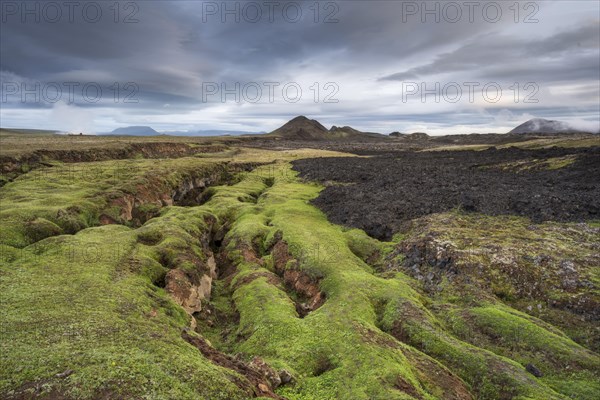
<point x="302" y="128"/>
<point x="305" y="129"/>
<point x="542" y="126"/>
<point x="148" y="131"/>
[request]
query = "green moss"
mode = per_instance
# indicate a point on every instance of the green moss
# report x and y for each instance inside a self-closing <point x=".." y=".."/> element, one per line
<point x="575" y="385"/>
<point x="509" y="259"/>
<point x="98" y="321"/>
<point x="41" y="228"/>
<point x="150" y="236"/>
<point x="535" y="164"/>
<point x="329" y="335"/>
<point x="73" y="196"/>
<point x="99" y="311"/>
<point x="540" y="143"/>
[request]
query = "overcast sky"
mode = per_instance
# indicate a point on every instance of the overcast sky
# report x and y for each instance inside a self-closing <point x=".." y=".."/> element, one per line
<point x="377" y="66"/>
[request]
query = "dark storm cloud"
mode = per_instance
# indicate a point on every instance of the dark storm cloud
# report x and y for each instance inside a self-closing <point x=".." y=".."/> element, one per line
<point x="563" y="56"/>
<point x="150" y="52"/>
<point x="171" y="42"/>
<point x="175" y="47"/>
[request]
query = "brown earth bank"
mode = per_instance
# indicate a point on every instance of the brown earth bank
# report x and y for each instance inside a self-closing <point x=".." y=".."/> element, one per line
<point x="256" y="383"/>
<point x="143" y="199"/>
<point x="12" y="166"/>
<point x="381" y="193"/>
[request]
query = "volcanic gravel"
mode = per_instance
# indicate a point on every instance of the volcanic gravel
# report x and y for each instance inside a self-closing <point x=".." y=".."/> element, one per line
<point x="380" y="194"/>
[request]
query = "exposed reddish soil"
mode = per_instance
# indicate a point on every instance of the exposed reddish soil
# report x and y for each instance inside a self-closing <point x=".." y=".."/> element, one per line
<point x="427" y="369"/>
<point x="305" y="286"/>
<point x="144" y="201"/>
<point x="260" y="379"/>
<point x="454" y="388"/>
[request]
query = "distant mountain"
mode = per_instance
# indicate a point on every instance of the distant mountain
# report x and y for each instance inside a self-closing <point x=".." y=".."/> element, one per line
<point x="302" y="128"/>
<point x="135" y="131"/>
<point x="544" y="126"/>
